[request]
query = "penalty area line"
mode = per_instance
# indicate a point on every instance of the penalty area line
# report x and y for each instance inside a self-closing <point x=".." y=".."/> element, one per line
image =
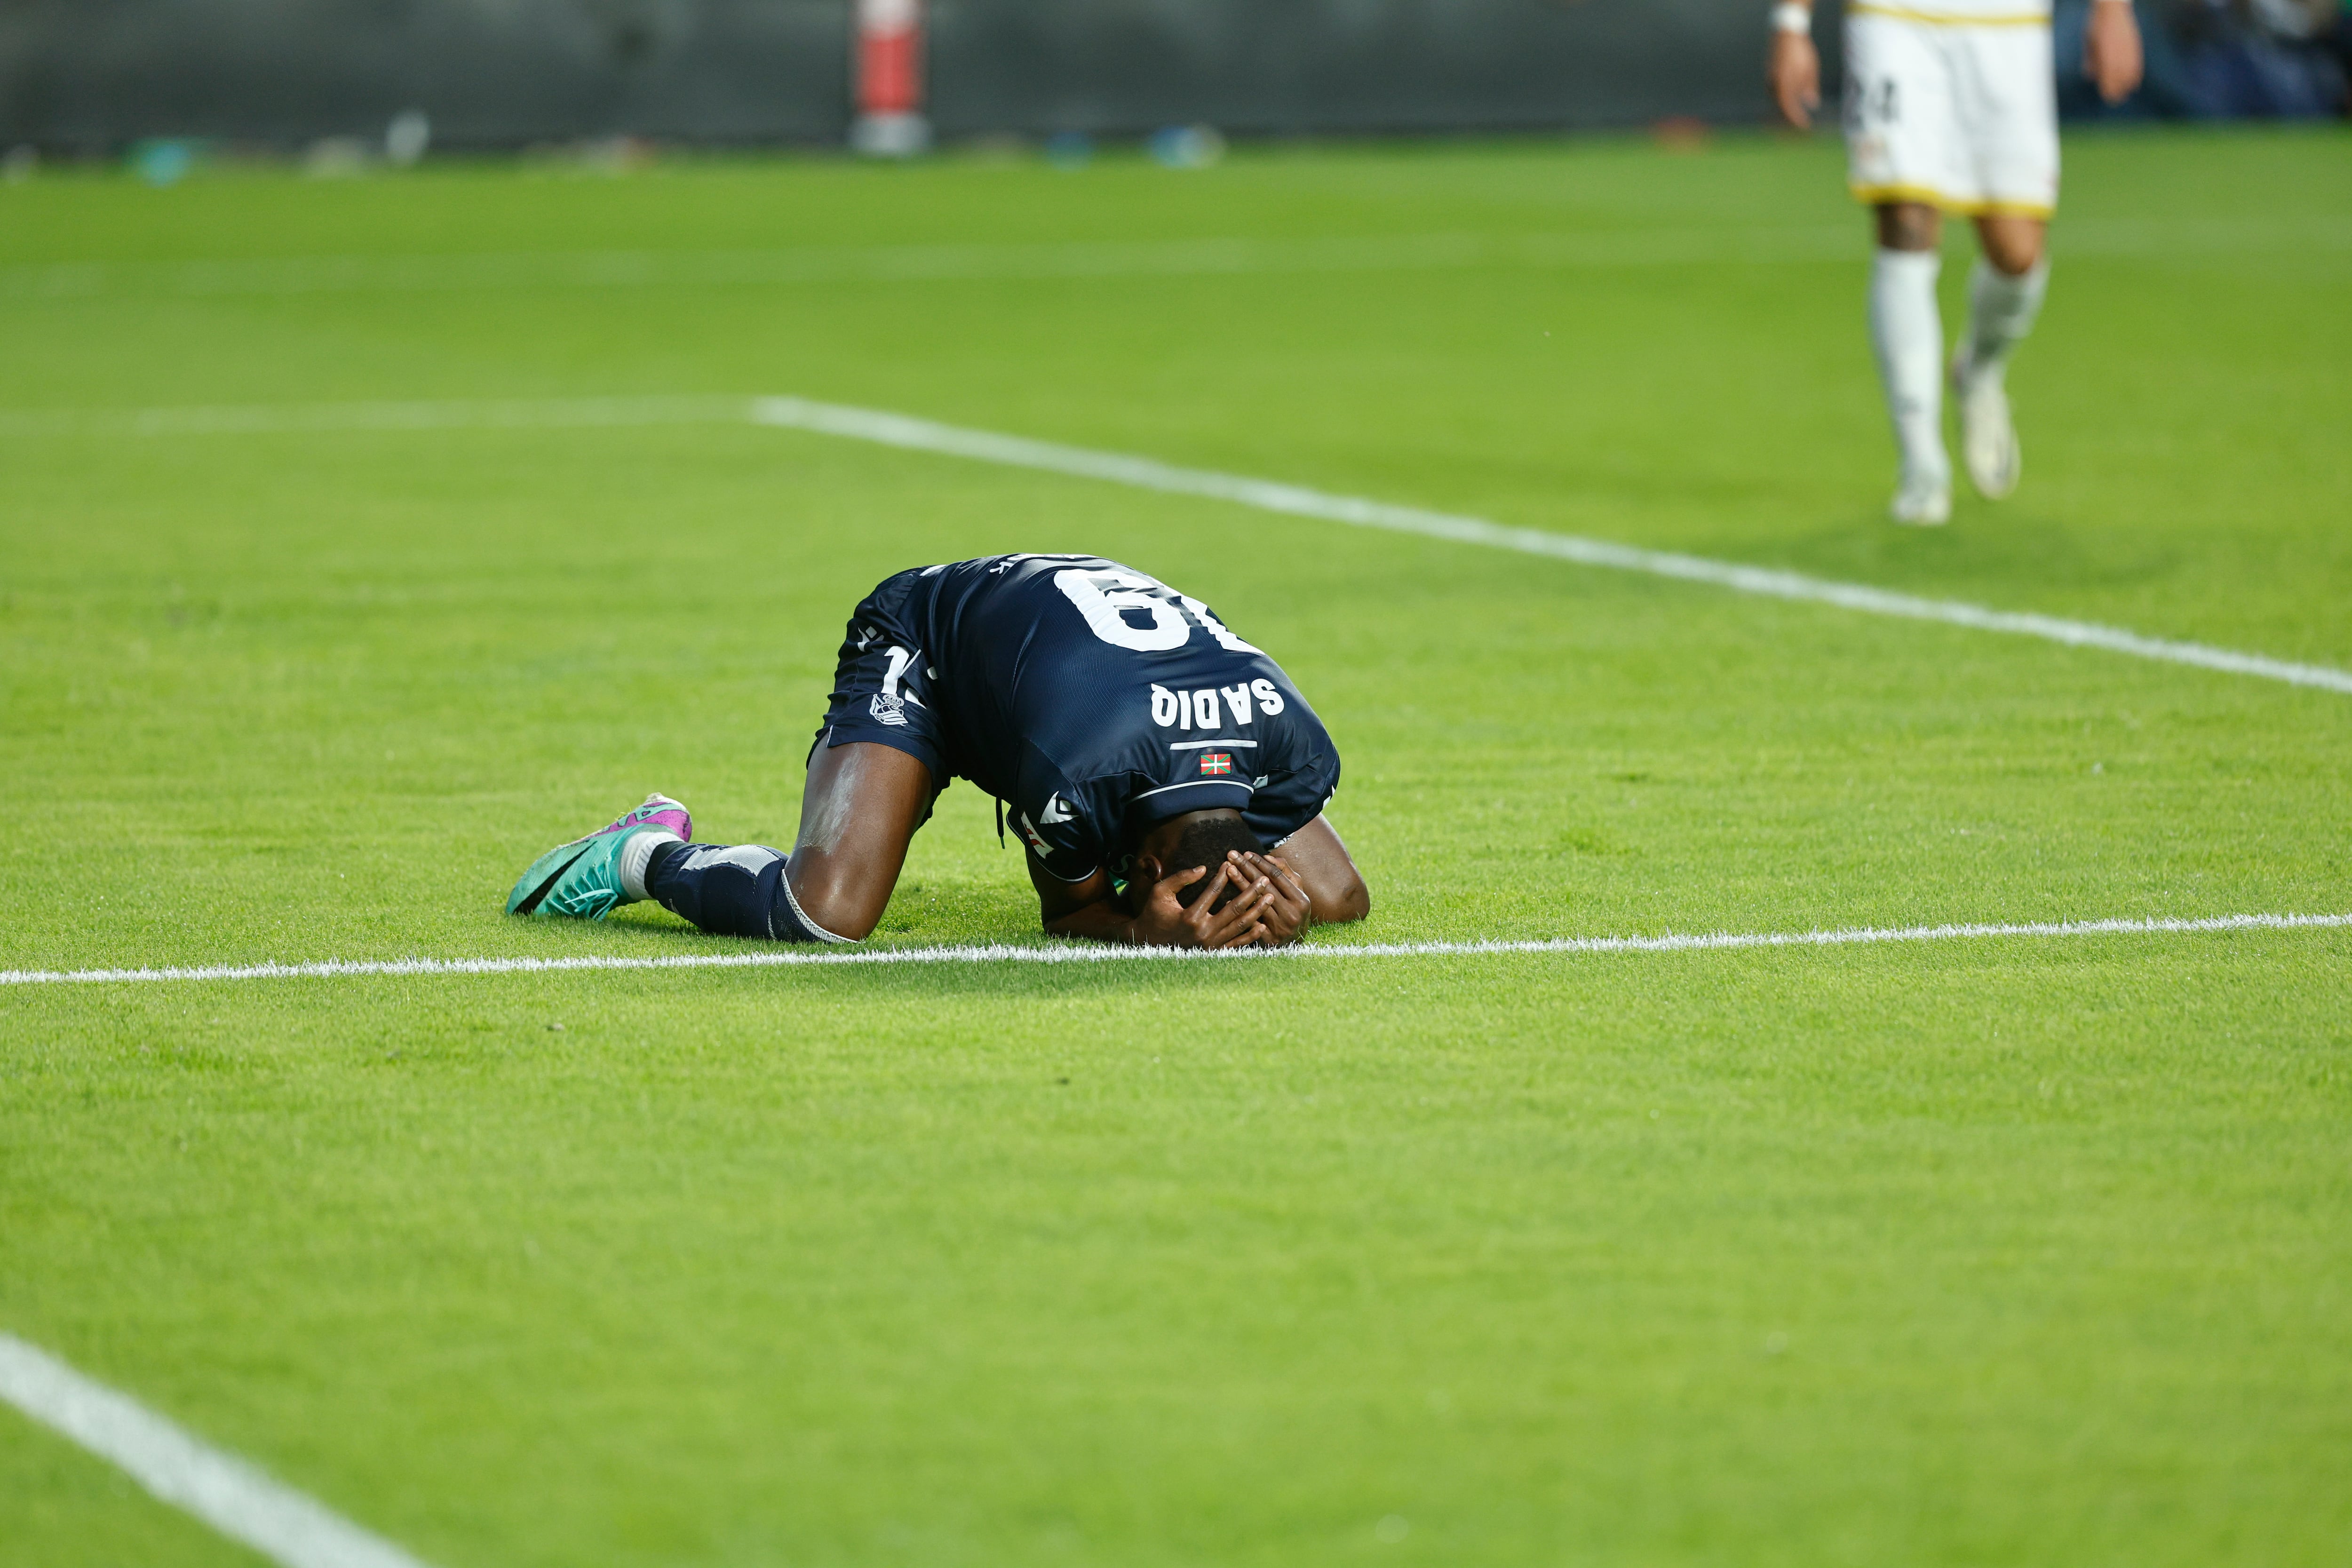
<point x="910" y="433"/>
<point x="287" y="1527"/>
<point x="1074" y="952"/>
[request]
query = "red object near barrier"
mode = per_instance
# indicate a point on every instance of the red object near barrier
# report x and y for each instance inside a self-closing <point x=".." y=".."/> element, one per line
<point x="889" y="67"/>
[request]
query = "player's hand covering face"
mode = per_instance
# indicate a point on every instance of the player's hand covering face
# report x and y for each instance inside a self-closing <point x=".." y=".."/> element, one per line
<point x="1288" y="910"/>
<point x="1162" y="920"/>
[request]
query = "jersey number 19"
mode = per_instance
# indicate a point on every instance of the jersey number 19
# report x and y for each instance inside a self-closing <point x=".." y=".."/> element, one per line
<point x="1128" y="610"/>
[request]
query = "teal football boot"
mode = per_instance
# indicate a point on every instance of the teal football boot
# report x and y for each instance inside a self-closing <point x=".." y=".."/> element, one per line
<point x="583" y="879"/>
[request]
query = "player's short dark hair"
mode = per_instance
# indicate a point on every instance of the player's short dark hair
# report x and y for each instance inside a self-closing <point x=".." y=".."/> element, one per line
<point x="1205" y="844"/>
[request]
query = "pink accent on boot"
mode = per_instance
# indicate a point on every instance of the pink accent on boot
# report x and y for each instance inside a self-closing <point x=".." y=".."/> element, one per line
<point x="662" y="812"/>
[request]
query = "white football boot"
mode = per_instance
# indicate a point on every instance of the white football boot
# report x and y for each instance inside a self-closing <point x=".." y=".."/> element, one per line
<point x="1988" y="438"/>
<point x="1923" y="497"/>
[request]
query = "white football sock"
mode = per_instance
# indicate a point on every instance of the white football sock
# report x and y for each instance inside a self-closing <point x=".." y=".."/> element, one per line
<point x="2000" y="313"/>
<point x="635" y="856"/>
<point x="1909" y="337"/>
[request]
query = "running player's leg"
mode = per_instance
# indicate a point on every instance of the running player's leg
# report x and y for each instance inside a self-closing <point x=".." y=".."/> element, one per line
<point x="2007" y="104"/>
<point x="2005" y="293"/>
<point x="1900" y="140"/>
<point x="859" y="811"/>
<point x="1907" y="334"/>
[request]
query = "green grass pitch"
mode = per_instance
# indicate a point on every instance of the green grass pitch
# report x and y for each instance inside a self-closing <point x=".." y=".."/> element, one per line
<point x="2008" y="1252"/>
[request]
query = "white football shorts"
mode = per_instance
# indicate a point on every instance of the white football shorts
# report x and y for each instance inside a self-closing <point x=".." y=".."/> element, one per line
<point x="1959" y="112"/>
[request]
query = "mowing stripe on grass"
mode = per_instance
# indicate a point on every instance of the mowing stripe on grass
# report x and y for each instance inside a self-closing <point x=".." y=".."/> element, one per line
<point x="1075" y="952"/>
<point x="319" y="418"/>
<point x="2306" y="234"/>
<point x="911" y="433"/>
<point x="1014" y="262"/>
<point x="183" y="1470"/>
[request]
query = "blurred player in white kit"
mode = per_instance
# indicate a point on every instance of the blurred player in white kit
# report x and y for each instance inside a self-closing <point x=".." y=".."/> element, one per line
<point x="1950" y="106"/>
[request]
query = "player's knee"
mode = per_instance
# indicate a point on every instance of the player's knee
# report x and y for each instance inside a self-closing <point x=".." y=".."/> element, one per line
<point x="1909" y="225"/>
<point x="835" y="898"/>
<point x="2014" y="253"/>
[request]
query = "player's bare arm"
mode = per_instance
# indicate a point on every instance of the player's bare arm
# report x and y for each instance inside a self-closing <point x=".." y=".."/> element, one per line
<point x="1793" y="68"/>
<point x="1321" y="873"/>
<point x="2113" y="57"/>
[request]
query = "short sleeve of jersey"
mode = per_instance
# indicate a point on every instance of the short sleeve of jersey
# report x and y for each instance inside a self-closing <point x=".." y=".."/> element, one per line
<point x="1072" y="830"/>
<point x="1295" y="790"/>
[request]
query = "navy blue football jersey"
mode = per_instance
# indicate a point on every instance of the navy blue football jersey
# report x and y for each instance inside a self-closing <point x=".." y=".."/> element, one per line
<point x="1091" y="698"/>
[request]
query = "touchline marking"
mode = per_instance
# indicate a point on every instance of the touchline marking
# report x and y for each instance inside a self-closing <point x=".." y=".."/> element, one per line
<point x="224" y="1491"/>
<point x="910" y="433"/>
<point x="1075" y="952"/>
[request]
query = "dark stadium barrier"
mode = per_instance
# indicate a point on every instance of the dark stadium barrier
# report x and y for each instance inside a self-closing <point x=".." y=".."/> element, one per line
<point x="94" y="75"/>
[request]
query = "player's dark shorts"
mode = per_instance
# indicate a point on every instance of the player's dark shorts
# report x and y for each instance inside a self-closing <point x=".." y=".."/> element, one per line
<point x="882" y="684"/>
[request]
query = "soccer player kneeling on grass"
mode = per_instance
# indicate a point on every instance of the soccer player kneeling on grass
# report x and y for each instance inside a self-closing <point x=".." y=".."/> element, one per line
<point x="1167" y="778"/>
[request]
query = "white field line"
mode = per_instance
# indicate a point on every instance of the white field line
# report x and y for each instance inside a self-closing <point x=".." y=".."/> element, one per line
<point x="911" y="433"/>
<point x="1050" y="260"/>
<point x="181" y="1468"/>
<point x="1268" y="494"/>
<point x="1076" y="952"/>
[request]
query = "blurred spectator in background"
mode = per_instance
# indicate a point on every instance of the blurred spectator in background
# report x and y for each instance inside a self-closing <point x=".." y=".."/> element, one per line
<point x="2211" y="60"/>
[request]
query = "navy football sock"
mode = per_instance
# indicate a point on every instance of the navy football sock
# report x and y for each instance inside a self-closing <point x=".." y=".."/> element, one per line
<point x="738" y="890"/>
<point x="661" y="852"/>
